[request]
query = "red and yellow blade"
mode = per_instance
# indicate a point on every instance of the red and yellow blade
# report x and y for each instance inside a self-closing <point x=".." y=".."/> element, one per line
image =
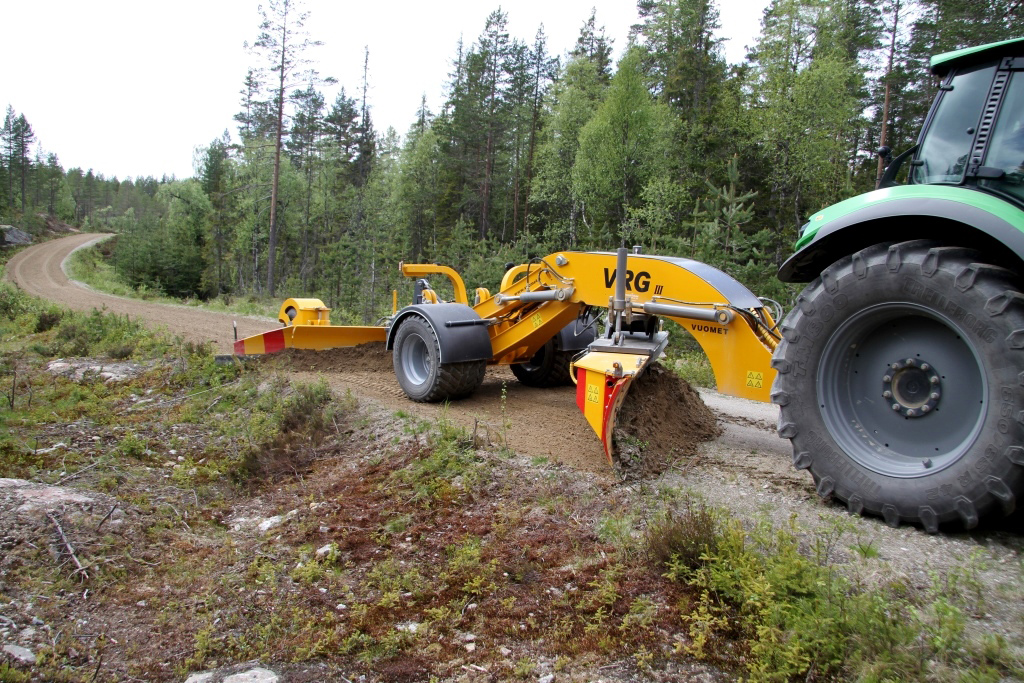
<point x="315" y="337"/>
<point x="602" y="380"/>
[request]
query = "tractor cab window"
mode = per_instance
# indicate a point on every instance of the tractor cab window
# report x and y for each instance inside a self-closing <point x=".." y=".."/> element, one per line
<point x="1006" y="151"/>
<point x="946" y="143"/>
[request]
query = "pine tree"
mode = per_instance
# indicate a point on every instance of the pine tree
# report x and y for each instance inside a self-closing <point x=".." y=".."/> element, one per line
<point x="685" y="54"/>
<point x="23" y="137"/>
<point x="215" y="177"/>
<point x="543" y="70"/>
<point x="341" y="125"/>
<point x="7" y="134"/>
<point x="283" y="41"/>
<point x="495" y="49"/>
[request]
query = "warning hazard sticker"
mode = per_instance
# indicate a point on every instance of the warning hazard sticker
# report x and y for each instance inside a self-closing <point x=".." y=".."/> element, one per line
<point x="755" y="380"/>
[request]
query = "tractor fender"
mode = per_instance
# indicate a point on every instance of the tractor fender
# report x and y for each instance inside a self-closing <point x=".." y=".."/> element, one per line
<point x="458" y="344"/>
<point x="952" y="215"/>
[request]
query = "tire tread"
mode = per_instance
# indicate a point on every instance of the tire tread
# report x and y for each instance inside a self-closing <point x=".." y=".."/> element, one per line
<point x="995" y="288"/>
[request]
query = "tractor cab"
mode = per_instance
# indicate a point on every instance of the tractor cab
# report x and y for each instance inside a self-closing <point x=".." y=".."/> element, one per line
<point x="974" y="134"/>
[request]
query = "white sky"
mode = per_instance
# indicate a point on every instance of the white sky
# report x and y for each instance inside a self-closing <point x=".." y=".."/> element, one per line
<point x="130" y="88"/>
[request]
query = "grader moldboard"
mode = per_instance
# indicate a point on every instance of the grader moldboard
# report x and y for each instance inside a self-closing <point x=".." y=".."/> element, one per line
<point x="899" y="373"/>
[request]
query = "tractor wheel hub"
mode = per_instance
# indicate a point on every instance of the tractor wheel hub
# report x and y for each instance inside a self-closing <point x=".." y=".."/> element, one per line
<point x="912" y="387"/>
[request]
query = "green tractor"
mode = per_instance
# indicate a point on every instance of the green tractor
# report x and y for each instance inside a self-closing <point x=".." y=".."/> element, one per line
<point x="901" y="371"/>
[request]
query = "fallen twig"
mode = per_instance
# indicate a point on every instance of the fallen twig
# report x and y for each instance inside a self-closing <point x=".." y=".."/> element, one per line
<point x="75" y="474"/>
<point x="68" y="547"/>
<point x="106" y="517"/>
<point x="98" y="665"/>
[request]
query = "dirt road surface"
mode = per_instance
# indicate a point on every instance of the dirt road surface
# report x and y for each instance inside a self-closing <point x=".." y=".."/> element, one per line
<point x="39" y="270"/>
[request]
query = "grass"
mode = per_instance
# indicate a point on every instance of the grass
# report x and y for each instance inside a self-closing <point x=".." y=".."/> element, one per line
<point x="687" y="359"/>
<point x="92" y="267"/>
<point x="398" y="539"/>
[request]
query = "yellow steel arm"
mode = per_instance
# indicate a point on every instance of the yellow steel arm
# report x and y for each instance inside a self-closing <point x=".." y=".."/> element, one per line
<point x="729" y="322"/>
<point x="418" y="269"/>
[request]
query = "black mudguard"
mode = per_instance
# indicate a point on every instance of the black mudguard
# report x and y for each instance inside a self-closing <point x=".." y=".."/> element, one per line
<point x="578" y="334"/>
<point x="458" y="344"/>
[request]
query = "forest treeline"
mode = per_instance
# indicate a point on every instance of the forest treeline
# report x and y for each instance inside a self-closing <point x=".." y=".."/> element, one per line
<point x="531" y="152"/>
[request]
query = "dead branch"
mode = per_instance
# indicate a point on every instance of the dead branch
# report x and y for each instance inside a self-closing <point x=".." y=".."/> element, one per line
<point x="106" y="517"/>
<point x="75" y="474"/>
<point x="67" y="545"/>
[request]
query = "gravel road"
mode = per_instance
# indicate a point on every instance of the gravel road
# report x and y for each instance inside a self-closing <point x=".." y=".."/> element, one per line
<point x="39" y="270"/>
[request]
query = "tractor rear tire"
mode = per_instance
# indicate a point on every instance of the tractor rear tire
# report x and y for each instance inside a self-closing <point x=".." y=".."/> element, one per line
<point x="900" y="386"/>
<point x="549" y="367"/>
<point x="420" y="373"/>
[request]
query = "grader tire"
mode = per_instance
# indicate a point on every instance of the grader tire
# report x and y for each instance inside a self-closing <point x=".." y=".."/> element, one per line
<point x="420" y="373"/>
<point x="549" y="367"/>
<point x="900" y="386"/>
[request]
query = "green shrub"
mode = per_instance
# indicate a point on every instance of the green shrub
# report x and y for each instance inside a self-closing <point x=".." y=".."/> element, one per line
<point x="47" y="320"/>
<point x="679" y="540"/>
<point x="13" y="301"/>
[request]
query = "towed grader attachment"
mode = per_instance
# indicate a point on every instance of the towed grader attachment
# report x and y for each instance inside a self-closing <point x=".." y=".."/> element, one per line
<point x="543" y="323"/>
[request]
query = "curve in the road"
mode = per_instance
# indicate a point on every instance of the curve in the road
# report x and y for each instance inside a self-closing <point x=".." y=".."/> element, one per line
<point x="39" y="271"/>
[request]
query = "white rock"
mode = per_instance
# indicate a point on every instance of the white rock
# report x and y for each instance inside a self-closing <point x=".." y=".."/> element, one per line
<point x="546" y="679"/>
<point x="269" y="523"/>
<point x="322" y="551"/>
<point x="253" y="676"/>
<point x="200" y="678"/>
<point x="22" y="654"/>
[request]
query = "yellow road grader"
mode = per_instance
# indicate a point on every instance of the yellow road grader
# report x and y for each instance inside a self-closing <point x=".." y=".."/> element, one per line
<point x="543" y="323"/>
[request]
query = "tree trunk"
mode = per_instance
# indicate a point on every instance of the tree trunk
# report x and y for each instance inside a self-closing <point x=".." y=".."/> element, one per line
<point x="272" y="240"/>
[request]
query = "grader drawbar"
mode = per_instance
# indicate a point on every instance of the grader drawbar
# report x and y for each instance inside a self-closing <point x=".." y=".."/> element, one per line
<point x="543" y="323"/>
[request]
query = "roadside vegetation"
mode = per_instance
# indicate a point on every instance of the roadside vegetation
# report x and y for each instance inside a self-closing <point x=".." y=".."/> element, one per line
<point x="307" y="531"/>
<point x="92" y="266"/>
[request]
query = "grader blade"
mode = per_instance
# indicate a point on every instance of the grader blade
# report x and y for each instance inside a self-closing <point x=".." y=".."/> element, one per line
<point x="544" y="322"/>
<point x="307" y="325"/>
<point x="311" y="337"/>
<point x="604" y="374"/>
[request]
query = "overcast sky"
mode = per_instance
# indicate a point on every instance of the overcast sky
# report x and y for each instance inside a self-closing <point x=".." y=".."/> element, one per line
<point x="130" y="88"/>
